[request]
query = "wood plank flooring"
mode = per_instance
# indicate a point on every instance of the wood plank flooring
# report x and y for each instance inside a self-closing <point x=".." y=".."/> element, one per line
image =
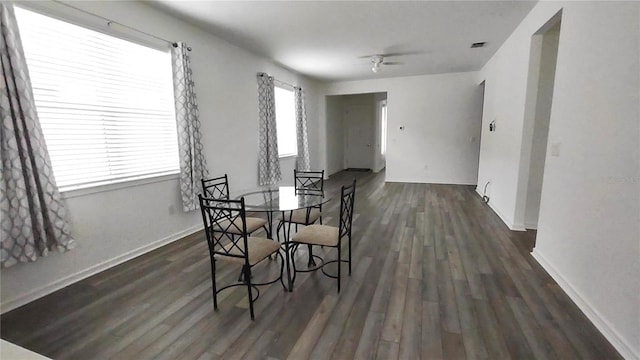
<point x="436" y="274"/>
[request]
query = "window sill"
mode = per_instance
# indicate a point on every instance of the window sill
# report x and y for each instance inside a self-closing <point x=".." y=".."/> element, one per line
<point x="93" y="189"/>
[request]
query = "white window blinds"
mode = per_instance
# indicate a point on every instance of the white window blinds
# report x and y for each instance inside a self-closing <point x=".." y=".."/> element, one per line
<point x="105" y="104"/>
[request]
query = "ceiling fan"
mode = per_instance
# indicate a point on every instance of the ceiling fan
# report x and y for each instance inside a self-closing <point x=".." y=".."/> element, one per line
<point x="378" y="60"/>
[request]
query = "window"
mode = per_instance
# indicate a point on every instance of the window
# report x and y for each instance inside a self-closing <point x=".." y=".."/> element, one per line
<point x="105" y="105"/>
<point x="286" y="122"/>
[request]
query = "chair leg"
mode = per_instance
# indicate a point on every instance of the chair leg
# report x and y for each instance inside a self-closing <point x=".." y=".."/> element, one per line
<point x="213" y="283"/>
<point x="311" y="261"/>
<point x="247" y="275"/>
<point x="286" y="230"/>
<point x="278" y="231"/>
<point x="349" y="255"/>
<point x="282" y="271"/>
<point x="339" y="263"/>
<point x="293" y="271"/>
<point x="289" y="256"/>
<point x="322" y="246"/>
<point x="268" y="233"/>
<point x="241" y="276"/>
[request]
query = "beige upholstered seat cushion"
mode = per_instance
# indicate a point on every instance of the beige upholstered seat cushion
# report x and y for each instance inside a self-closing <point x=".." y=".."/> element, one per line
<point x="259" y="248"/>
<point x="253" y="224"/>
<point x="317" y="235"/>
<point x="300" y="216"/>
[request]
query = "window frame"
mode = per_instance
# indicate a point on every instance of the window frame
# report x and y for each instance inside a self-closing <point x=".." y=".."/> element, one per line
<point x="91" y="22"/>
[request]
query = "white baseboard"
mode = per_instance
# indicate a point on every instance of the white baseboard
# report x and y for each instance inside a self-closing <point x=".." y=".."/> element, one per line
<point x="592" y="314"/>
<point x="510" y="225"/>
<point x="83" y="274"/>
<point x="423" y="181"/>
<point x="531" y="226"/>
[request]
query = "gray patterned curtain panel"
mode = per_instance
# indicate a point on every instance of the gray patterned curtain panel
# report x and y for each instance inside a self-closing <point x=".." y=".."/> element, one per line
<point x="193" y="165"/>
<point x="268" y="161"/>
<point x="302" y="161"/>
<point x="33" y="216"/>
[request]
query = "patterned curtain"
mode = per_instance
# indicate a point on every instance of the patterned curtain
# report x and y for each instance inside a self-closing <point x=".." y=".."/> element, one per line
<point x="268" y="162"/>
<point x="33" y="216"/>
<point x="302" y="161"/>
<point x="193" y="165"/>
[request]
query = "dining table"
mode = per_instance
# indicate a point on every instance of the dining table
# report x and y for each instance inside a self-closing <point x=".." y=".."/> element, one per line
<point x="282" y="200"/>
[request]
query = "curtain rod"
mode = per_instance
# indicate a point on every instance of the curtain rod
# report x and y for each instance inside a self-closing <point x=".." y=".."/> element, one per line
<point x="109" y="22"/>
<point x="280" y="82"/>
<point x="284" y="83"/>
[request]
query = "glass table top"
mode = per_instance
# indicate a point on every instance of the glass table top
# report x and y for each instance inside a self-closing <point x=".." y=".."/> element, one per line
<point x="282" y="198"/>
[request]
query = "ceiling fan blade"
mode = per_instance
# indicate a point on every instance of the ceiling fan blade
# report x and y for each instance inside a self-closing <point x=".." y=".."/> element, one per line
<point x="403" y="53"/>
<point x="400" y="53"/>
<point x="392" y="63"/>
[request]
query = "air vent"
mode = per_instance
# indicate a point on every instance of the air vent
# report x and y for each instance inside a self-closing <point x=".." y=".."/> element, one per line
<point x="478" y="45"/>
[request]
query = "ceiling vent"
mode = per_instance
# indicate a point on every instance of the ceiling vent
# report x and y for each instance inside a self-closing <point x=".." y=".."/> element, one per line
<point x="478" y="45"/>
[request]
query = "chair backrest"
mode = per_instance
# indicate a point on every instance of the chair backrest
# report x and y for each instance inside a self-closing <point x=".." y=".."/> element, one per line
<point x="216" y="188"/>
<point x="223" y="220"/>
<point x="309" y="182"/>
<point x="347" y="199"/>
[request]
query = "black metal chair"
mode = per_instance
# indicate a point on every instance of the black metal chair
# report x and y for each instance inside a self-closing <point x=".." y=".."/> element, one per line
<point x="311" y="183"/>
<point x="225" y="225"/>
<point x="218" y="188"/>
<point x="329" y="236"/>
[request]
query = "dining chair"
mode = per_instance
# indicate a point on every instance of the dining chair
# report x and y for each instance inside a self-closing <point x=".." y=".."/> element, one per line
<point x="330" y="236"/>
<point x="310" y="183"/>
<point x="223" y="220"/>
<point x="218" y="188"/>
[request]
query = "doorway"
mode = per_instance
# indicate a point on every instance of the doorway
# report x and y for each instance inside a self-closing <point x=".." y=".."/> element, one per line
<point x="381" y="155"/>
<point x="544" y="54"/>
<point x="355" y="132"/>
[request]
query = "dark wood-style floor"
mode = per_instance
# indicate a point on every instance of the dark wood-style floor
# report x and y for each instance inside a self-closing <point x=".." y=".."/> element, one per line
<point x="436" y="275"/>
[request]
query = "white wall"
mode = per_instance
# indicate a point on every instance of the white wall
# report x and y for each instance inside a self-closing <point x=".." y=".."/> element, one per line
<point x="335" y="140"/>
<point x="589" y="228"/>
<point x="441" y="119"/>
<point x="540" y="128"/>
<point x="112" y="226"/>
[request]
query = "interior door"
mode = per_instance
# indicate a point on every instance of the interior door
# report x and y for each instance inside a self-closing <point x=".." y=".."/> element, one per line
<point x="358" y="137"/>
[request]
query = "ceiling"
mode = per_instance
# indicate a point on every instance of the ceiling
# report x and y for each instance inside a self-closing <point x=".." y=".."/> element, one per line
<point x="330" y="40"/>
